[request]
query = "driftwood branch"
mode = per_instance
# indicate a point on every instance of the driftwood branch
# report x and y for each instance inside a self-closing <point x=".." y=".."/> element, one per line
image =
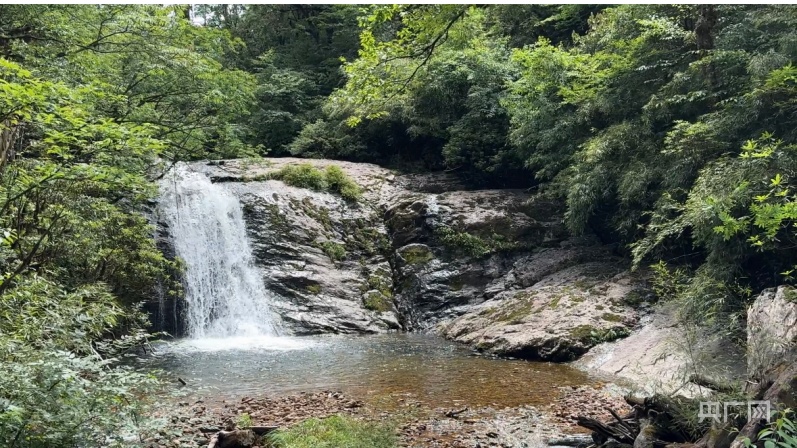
<point x="702" y="380"/>
<point x="575" y="440"/>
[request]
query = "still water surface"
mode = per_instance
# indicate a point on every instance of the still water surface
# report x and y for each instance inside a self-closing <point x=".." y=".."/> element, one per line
<point x="422" y="367"/>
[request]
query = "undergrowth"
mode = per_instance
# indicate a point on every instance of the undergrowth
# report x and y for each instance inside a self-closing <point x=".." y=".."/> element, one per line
<point x="331" y="179"/>
<point x="335" y="432"/>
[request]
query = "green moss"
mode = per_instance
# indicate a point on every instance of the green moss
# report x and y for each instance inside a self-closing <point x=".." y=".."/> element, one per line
<point x="583" y="284"/>
<point x="334" y="251"/>
<point x="342" y="184"/>
<point x="276" y="219"/>
<point x="599" y="307"/>
<point x="555" y="302"/>
<point x="633" y="298"/>
<point x="375" y="301"/>
<point x="484" y="345"/>
<point x="488" y="311"/>
<point x="455" y="285"/>
<point x="382" y="283"/>
<point x="363" y="236"/>
<point x="593" y="336"/>
<point x="516" y="310"/>
<point x="611" y="317"/>
<point x="318" y="213"/>
<point x="314" y="289"/>
<point x="416" y="254"/>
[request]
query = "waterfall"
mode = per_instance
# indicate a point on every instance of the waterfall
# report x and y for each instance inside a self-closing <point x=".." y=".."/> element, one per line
<point x="224" y="291"/>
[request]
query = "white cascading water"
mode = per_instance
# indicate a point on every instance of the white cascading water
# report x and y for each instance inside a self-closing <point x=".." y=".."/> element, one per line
<point x="223" y="289"/>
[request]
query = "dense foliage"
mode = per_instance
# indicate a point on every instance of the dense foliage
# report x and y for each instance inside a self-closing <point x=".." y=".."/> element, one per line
<point x="95" y="101"/>
<point x="668" y="130"/>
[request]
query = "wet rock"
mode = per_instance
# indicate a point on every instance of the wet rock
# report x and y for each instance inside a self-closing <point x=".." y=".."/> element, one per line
<point x="235" y="439"/>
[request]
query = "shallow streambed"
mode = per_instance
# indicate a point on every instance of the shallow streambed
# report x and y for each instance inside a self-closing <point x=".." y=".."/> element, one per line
<point x="422" y="367"/>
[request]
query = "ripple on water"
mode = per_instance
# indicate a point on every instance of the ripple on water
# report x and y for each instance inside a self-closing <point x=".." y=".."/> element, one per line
<point x="426" y="368"/>
<point x="238" y="343"/>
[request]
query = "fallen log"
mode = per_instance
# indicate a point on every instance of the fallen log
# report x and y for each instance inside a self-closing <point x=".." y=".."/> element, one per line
<point x="574" y="440"/>
<point x="655" y="422"/>
<point x="710" y="383"/>
<point x="667" y="414"/>
<point x="606" y="431"/>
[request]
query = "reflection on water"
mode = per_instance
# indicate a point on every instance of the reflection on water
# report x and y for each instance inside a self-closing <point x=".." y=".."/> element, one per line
<point x="424" y="367"/>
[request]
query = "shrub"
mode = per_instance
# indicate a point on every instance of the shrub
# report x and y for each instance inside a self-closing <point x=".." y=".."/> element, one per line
<point x="462" y="241"/>
<point x="334" y="432"/>
<point x="303" y="175"/>
<point x="56" y="390"/>
<point x="334" y="250"/>
<point x="332" y="179"/>
<point x="781" y="433"/>
<point x="375" y="301"/>
<point x="341" y="183"/>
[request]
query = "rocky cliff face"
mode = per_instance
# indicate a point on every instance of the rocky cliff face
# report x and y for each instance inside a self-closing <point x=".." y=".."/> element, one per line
<point x="492" y="268"/>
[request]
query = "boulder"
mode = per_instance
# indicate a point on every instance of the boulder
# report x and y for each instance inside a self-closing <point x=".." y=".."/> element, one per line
<point x="557" y="318"/>
<point x="771" y="330"/>
<point x="239" y="438"/>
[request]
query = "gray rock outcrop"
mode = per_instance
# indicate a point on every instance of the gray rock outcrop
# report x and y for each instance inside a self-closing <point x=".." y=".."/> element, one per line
<point x="492" y="268"/>
<point x="772" y="329"/>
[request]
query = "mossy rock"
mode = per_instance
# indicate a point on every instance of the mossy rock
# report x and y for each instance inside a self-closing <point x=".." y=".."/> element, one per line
<point x="790" y="294"/>
<point x="474" y="244"/>
<point x="415" y="254"/>
<point x="363" y="236"/>
<point x="635" y="297"/>
<point x="611" y="317"/>
<point x="376" y="301"/>
<point x="381" y="282"/>
<point x="589" y="335"/>
<point x="277" y="221"/>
